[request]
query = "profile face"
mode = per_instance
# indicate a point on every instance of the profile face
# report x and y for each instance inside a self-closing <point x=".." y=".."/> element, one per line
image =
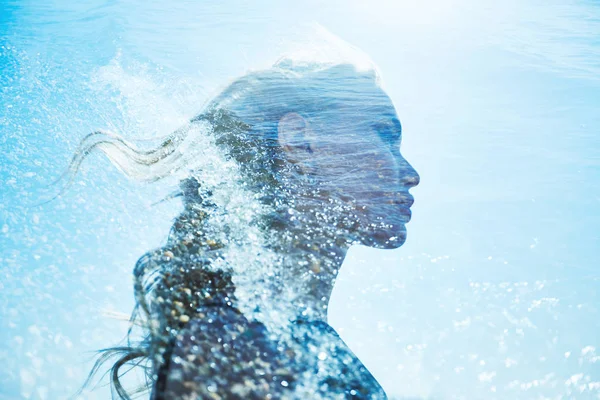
<point x="353" y="151"/>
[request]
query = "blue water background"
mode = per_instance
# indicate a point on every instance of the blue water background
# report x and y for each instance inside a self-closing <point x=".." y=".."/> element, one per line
<point x="495" y="293"/>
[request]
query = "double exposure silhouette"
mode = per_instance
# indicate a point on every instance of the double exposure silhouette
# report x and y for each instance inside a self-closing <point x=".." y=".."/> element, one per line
<point x="283" y="172"/>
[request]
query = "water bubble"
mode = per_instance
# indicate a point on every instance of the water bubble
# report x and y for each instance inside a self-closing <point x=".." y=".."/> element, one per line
<point x="211" y="388"/>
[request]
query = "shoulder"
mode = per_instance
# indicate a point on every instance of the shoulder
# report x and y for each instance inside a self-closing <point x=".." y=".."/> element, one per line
<point x="336" y="371"/>
<point x="223" y="355"/>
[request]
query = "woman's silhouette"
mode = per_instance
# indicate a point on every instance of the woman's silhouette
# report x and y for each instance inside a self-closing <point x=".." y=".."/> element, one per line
<point x="282" y="172"/>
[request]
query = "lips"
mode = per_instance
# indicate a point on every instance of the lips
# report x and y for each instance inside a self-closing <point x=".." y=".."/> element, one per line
<point x="404" y="199"/>
<point x="397" y="198"/>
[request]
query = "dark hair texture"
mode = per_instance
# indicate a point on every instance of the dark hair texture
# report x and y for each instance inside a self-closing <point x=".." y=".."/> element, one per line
<point x="172" y="282"/>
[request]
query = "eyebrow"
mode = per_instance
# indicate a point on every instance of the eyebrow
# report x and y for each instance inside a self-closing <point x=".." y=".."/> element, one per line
<point x="397" y="125"/>
<point x="391" y="126"/>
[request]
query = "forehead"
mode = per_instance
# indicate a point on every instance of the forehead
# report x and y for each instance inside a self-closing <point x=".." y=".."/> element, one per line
<point x="363" y="102"/>
<point x="368" y="114"/>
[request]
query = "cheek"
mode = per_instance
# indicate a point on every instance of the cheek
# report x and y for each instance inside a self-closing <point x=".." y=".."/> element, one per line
<point x="378" y="172"/>
<point x="357" y="171"/>
<point x="387" y="216"/>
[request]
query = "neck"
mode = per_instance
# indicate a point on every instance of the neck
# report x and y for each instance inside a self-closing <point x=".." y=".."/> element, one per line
<point x="283" y="271"/>
<point x="310" y="269"/>
<point x="311" y="252"/>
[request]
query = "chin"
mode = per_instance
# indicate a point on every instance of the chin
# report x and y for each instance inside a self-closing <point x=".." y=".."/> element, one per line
<point x="385" y="239"/>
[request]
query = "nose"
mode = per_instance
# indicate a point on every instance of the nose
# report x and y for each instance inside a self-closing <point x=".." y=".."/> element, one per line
<point x="409" y="176"/>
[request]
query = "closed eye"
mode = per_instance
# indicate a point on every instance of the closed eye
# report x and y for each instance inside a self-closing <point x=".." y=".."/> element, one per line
<point x="389" y="129"/>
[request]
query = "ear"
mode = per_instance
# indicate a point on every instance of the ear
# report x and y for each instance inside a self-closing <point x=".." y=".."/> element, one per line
<point x="295" y="137"/>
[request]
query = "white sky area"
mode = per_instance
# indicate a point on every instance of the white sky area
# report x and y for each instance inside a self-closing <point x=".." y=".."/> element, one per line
<point x="494" y="294"/>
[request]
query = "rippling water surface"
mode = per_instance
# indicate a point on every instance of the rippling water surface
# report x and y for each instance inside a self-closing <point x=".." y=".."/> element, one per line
<point x="495" y="293"/>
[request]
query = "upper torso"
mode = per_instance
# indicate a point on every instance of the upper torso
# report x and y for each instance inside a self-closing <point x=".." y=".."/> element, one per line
<point x="222" y="355"/>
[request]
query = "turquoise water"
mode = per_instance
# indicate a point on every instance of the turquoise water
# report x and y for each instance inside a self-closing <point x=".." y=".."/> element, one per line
<point x="494" y="295"/>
